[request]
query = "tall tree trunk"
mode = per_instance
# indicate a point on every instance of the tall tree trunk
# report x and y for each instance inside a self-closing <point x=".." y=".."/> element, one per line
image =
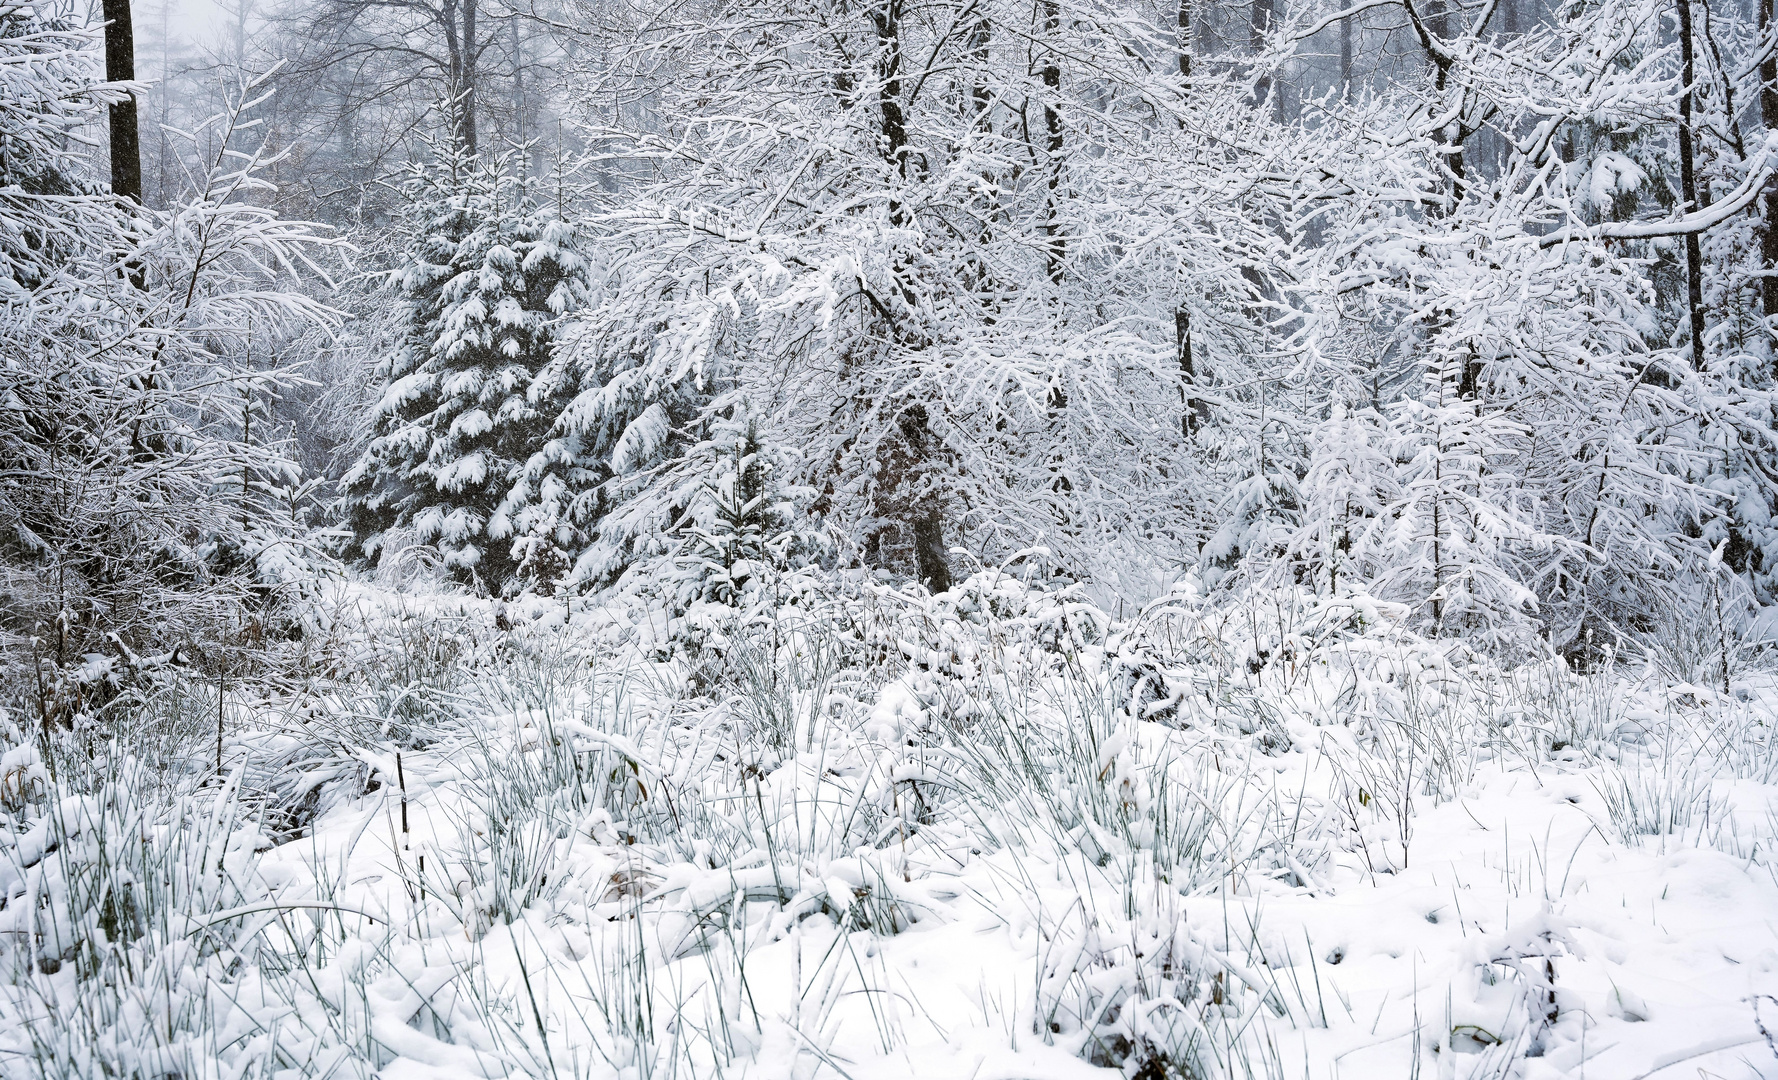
<point x="1192" y="416"/>
<point x="924" y="519"/>
<point x="886" y="17"/>
<point x="1346" y="55"/>
<point x="1197" y="411"/>
<point x="457" y="21"/>
<point x="518" y="83"/>
<point x="448" y="22"/>
<point x="1185" y="38"/>
<point x="927" y="523"/>
<point x="1688" y="187"/>
<point x="1768" y="115"/>
<point x="120" y="66"/>
<point x="1055" y="246"/>
<point x="1433" y="31"/>
<point x="469" y="65"/>
<point x="979" y="94"/>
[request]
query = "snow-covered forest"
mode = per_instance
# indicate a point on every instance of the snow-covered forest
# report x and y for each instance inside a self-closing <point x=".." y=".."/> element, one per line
<point x="850" y="539"/>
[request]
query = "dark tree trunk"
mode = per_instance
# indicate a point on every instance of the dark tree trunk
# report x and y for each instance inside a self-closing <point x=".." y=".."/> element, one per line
<point x="929" y="552"/>
<point x="120" y="66"/>
<point x="1434" y="34"/>
<point x="927" y="521"/>
<point x="1768" y="115"/>
<point x="1197" y="411"/>
<point x="457" y="22"/>
<point x="887" y="19"/>
<point x="1346" y="55"/>
<point x="1185" y="38"/>
<point x="1688" y="187"/>
<point x="1182" y="319"/>
<point x="1055" y="245"/>
<point x="470" y="48"/>
<point x="447" y="22"/>
<point x="979" y="95"/>
<point x="924" y="519"/>
<point x="518" y="88"/>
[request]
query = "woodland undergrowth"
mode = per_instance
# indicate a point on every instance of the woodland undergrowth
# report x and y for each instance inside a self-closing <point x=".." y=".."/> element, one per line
<point x="542" y="839"/>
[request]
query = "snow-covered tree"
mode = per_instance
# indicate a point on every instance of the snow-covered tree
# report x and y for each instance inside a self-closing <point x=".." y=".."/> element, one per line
<point x="1460" y="518"/>
<point x="741" y="532"/>
<point x="946" y="253"/>
<point x="1501" y="225"/>
<point x="123" y="368"/>
<point x="487" y="281"/>
<point x="635" y="378"/>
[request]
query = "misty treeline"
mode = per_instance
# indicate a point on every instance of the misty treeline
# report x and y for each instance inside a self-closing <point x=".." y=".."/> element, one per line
<point x="1466" y="308"/>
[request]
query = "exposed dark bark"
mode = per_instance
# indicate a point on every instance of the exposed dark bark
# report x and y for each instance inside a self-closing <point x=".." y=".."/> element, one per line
<point x="1197" y="411"/>
<point x="1258" y="26"/>
<point x="1688" y="186"/>
<point x="929" y="552"/>
<point x="1185" y="38"/>
<point x="120" y="66"/>
<point x="980" y="97"/>
<point x="126" y="141"/>
<point x="1431" y="31"/>
<point x="887" y="19"/>
<point x="466" y="85"/>
<point x="518" y="82"/>
<point x="1346" y="54"/>
<point x="453" y="40"/>
<point x="1055" y="245"/>
<point x="1768" y="115"/>
<point x="922" y="516"/>
<point x="926" y="521"/>
<point x="1182" y="320"/>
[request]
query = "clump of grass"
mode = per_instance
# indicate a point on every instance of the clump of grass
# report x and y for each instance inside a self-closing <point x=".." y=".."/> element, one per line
<point x="1662" y="797"/>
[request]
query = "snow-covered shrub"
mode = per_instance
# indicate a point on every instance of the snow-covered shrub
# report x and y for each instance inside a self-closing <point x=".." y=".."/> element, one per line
<point x="1351" y="482"/>
<point x="1180" y="844"/>
<point x="743" y="533"/>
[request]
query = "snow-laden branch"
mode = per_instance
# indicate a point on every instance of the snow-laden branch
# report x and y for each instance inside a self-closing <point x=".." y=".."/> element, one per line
<point x="1763" y="165"/>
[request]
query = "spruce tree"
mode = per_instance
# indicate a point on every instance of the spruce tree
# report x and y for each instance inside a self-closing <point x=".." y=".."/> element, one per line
<point x="487" y="280"/>
<point x="743" y="528"/>
<point x="634" y="386"/>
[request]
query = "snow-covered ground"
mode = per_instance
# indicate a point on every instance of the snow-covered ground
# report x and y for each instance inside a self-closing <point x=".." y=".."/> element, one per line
<point x="987" y="837"/>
